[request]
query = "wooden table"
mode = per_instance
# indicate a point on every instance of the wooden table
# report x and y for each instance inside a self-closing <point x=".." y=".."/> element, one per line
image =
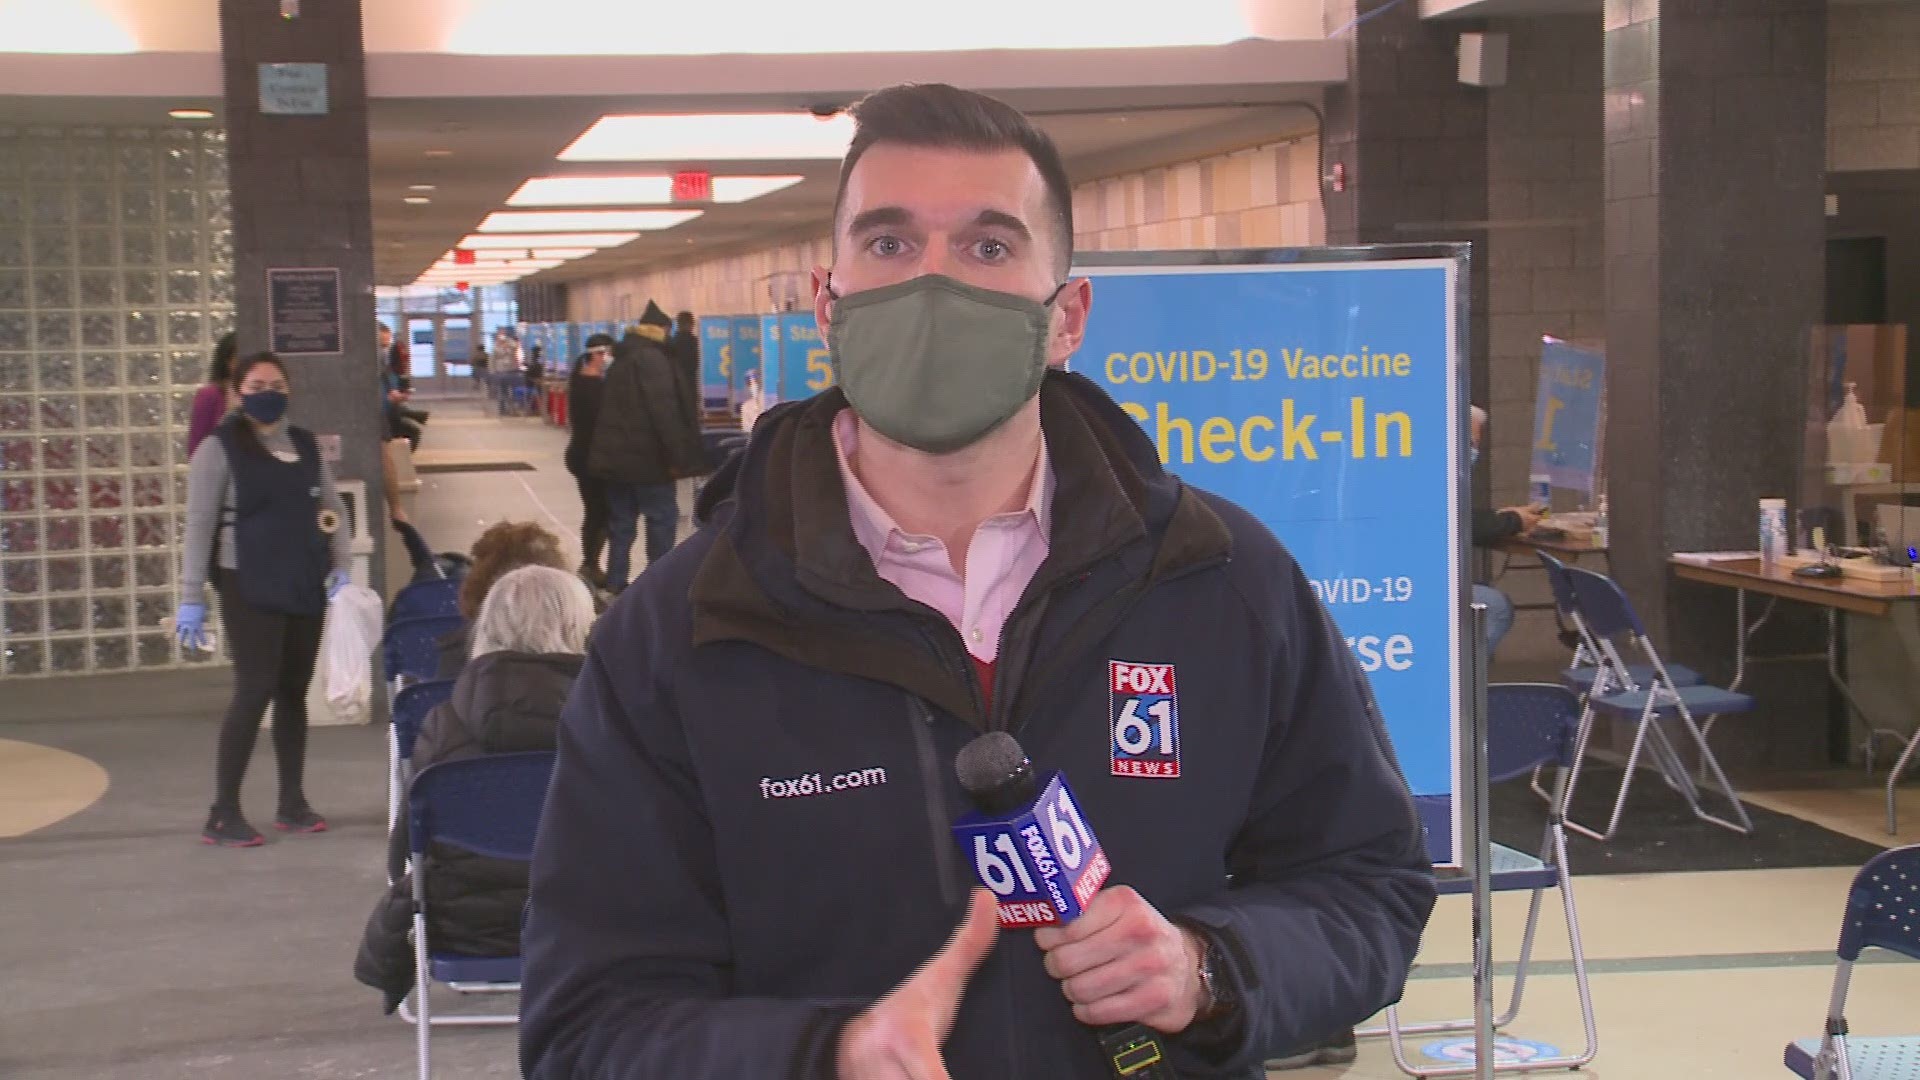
<point x="1836" y="595"/>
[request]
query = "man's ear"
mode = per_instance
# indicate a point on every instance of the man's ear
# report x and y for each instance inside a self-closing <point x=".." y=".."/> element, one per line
<point x="1069" y="324"/>
<point x="822" y="299"/>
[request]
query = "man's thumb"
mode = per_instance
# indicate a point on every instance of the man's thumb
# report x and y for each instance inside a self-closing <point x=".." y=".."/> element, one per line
<point x="947" y="973"/>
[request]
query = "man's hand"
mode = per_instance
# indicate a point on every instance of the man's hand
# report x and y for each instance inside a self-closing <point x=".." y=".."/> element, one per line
<point x="900" y="1037"/>
<point x="1122" y="962"/>
<point x="1529" y="516"/>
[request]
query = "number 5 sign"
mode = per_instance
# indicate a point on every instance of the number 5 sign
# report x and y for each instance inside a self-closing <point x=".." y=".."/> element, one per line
<point x="1145" y="719"/>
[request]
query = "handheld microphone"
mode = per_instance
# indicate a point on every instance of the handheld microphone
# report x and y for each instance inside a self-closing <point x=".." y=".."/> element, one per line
<point x="1030" y="846"/>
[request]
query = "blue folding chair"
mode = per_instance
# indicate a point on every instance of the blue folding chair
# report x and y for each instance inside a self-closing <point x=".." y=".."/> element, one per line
<point x="426" y="599"/>
<point x="489" y="806"/>
<point x="411" y="648"/>
<point x="410" y="708"/>
<point x="1529" y="725"/>
<point x="1611" y="620"/>
<point x="1883" y="911"/>
<point x="1590" y="661"/>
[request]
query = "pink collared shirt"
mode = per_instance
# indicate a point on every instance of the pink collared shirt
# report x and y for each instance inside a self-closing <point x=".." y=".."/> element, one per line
<point x="1004" y="554"/>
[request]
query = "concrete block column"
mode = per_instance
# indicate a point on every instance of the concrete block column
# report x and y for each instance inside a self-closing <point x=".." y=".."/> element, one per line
<point x="1715" y="130"/>
<point x="300" y="199"/>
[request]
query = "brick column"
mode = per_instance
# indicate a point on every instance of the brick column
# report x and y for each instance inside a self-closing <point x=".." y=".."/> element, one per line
<point x="1412" y="140"/>
<point x="1715" y="245"/>
<point x="300" y="199"/>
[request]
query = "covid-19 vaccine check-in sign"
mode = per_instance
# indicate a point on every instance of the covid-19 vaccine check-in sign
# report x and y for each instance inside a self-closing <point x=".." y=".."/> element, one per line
<point x="1323" y="397"/>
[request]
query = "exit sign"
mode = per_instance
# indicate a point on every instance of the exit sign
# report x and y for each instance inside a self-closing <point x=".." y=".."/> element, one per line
<point x="692" y="187"/>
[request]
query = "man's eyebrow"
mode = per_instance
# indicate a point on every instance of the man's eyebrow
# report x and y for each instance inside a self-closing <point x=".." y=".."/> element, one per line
<point x="879" y="215"/>
<point x="1003" y="220"/>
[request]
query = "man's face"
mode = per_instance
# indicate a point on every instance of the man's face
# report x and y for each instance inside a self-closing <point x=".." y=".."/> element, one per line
<point x="386" y="339"/>
<point x="981" y="218"/>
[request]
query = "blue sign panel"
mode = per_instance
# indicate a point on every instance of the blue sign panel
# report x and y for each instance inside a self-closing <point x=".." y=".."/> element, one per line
<point x="716" y="361"/>
<point x="1324" y="398"/>
<point x="805" y="368"/>
<point x="746" y="352"/>
<point x="1566" y="414"/>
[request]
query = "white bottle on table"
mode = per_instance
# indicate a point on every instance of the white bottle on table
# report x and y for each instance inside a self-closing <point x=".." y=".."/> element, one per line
<point x="1600" y="524"/>
<point x="1773" y="532"/>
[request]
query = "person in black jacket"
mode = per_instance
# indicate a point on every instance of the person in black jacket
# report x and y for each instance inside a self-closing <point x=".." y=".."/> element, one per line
<point x="1489" y="528"/>
<point x="644" y="440"/>
<point x="584" y="391"/>
<point x="527" y="649"/>
<point x="685" y="347"/>
<point x="265" y="522"/>
<point x="744" y="867"/>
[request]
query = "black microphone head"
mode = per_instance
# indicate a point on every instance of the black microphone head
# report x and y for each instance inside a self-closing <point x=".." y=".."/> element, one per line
<point x="995" y="772"/>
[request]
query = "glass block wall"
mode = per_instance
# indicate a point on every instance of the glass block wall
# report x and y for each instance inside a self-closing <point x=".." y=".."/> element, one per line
<point x="116" y="276"/>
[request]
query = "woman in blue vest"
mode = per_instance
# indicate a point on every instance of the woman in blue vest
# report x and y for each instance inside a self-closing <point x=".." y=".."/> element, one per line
<point x="264" y="520"/>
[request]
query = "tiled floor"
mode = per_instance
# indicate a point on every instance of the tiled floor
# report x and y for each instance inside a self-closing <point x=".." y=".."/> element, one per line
<point x="128" y="951"/>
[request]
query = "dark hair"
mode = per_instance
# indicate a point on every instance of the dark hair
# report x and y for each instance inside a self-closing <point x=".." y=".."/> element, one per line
<point x="221" y="369"/>
<point x="243" y="432"/>
<point x="939" y="116"/>
<point x="684" y="321"/>
<point x="506" y="545"/>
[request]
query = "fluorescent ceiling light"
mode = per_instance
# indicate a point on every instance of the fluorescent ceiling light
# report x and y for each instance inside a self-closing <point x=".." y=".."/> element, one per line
<point x="190" y="114"/>
<point x="498" y="267"/>
<point x="490" y="256"/>
<point x="539" y="240"/>
<point x="637" y="190"/>
<point x="74" y="27"/>
<point x="419" y="187"/>
<point x="515" y="221"/>
<point x="416" y="200"/>
<point x="714" y="137"/>
<point x="778" y="27"/>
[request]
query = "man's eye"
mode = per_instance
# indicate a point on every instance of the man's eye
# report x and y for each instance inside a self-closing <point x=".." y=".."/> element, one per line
<point x="992" y="250"/>
<point x="885" y="245"/>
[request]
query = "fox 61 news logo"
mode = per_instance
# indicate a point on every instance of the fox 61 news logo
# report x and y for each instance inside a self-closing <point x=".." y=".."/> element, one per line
<point x="1145" y="719"/>
<point x="1041" y="862"/>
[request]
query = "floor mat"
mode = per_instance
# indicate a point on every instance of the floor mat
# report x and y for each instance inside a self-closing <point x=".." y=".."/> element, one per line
<point x="1659" y="834"/>
<point x="471" y="466"/>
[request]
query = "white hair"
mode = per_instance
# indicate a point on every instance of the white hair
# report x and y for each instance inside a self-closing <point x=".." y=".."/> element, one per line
<point x="534" y="609"/>
<point x="1479" y="414"/>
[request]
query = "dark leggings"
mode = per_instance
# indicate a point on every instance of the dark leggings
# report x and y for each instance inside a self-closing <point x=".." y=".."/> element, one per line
<point x="593" y="526"/>
<point x="273" y="657"/>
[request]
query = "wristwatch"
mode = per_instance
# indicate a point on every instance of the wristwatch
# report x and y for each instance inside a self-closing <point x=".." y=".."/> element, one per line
<point x="1213" y="982"/>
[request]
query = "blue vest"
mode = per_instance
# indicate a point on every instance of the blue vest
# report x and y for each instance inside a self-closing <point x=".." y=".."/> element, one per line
<point x="281" y="554"/>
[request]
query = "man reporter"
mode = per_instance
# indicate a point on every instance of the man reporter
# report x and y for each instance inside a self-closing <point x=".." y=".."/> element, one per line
<point x="960" y="537"/>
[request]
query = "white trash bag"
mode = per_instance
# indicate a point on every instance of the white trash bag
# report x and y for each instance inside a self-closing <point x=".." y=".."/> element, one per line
<point x="346" y="661"/>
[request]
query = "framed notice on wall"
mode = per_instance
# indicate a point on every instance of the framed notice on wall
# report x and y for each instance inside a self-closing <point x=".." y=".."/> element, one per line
<point x="303" y="311"/>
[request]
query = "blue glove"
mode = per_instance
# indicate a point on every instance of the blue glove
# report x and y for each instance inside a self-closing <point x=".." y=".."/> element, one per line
<point x="190" y="626"/>
<point x="337" y="580"/>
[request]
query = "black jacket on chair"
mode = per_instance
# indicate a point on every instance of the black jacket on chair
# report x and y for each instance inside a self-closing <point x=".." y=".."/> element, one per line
<point x="504" y="703"/>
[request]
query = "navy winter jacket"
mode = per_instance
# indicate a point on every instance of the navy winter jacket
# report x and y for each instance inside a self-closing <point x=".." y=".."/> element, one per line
<point x="701" y="908"/>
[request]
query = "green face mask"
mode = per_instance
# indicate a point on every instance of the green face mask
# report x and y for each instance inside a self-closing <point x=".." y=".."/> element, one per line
<point x="937" y="364"/>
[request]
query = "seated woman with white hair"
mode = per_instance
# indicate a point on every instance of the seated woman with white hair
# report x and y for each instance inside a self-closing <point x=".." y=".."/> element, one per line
<point x="528" y="645"/>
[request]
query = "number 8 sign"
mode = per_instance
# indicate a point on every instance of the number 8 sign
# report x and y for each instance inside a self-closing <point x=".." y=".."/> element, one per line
<point x="1145" y="720"/>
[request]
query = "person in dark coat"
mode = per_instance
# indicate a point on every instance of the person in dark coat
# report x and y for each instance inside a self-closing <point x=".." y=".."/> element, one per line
<point x="685" y="347"/>
<point x="1489" y="528"/>
<point x="644" y="441"/>
<point x="584" y="392"/>
<point x="527" y="650"/>
<point x="745" y="866"/>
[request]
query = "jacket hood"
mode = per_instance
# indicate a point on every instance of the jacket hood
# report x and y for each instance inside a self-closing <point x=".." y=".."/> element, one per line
<point x="511" y="701"/>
